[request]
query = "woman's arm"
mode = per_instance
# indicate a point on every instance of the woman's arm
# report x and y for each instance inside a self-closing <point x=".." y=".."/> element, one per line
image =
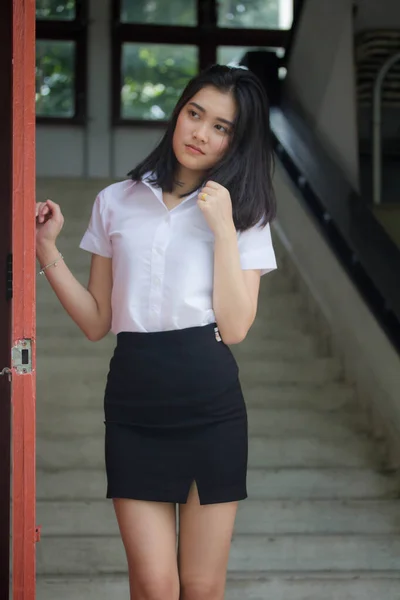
<point x="235" y="294"/>
<point x="235" y="291"/>
<point x="89" y="308"/>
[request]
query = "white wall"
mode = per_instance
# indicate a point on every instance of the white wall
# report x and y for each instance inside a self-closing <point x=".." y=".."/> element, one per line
<point x="321" y="78"/>
<point x="60" y="151"/>
<point x="371" y="362"/>
<point x="96" y="150"/>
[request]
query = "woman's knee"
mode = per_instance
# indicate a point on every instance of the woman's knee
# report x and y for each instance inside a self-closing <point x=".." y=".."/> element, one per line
<point x="158" y="587"/>
<point x="203" y="589"/>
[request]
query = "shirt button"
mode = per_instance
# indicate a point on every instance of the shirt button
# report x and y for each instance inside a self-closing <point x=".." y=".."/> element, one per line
<point x="157" y="281"/>
<point x="160" y="251"/>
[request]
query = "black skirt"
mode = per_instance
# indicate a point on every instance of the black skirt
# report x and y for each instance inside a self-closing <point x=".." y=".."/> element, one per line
<point x="175" y="414"/>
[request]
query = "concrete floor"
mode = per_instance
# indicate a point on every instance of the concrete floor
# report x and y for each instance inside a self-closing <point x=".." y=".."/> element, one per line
<point x="322" y="521"/>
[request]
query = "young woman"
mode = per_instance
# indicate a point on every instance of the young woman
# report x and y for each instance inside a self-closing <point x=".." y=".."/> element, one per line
<point x="177" y="255"/>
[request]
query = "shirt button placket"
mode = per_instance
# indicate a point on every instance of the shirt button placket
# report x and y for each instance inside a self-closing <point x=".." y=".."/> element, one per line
<point x="160" y="242"/>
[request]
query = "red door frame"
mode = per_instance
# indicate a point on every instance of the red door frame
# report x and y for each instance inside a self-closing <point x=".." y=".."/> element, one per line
<point x="23" y="303"/>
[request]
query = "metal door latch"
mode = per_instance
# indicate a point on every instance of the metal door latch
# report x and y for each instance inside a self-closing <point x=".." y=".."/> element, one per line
<point x="21" y="356"/>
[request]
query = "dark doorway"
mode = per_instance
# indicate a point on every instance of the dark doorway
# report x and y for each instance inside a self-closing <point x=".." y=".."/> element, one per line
<point x="5" y="288"/>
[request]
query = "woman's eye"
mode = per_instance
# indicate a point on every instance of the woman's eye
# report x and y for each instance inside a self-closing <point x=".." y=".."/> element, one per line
<point x="193" y="113"/>
<point x="222" y="128"/>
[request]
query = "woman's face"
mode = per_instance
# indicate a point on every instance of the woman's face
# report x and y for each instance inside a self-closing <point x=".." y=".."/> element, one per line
<point x="204" y="129"/>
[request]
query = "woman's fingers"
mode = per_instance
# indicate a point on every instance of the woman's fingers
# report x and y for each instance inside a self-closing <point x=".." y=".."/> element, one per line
<point x="44" y="210"/>
<point x="54" y="209"/>
<point x="39" y="211"/>
<point x="49" y="219"/>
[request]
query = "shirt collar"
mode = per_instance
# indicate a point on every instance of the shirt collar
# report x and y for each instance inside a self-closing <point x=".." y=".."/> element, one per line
<point x="158" y="191"/>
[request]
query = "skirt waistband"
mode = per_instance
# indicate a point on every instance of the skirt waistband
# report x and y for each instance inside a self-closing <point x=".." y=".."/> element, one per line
<point x="191" y="335"/>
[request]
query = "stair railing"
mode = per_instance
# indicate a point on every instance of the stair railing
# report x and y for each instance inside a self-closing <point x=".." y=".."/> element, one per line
<point x="377" y="127"/>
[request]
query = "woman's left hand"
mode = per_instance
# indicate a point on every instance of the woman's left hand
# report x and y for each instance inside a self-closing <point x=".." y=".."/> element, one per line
<point x="215" y="203"/>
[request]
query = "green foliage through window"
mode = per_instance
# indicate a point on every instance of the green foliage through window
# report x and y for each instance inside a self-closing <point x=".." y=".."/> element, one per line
<point x="55" y="78"/>
<point x="255" y="14"/>
<point x="159" y="12"/>
<point x="55" y="9"/>
<point x="153" y="78"/>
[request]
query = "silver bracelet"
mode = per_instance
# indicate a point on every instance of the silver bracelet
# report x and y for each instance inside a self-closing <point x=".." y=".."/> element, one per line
<point x="54" y="263"/>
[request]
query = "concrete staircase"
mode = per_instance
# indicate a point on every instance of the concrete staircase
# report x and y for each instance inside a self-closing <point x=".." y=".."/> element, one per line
<point x="322" y="521"/>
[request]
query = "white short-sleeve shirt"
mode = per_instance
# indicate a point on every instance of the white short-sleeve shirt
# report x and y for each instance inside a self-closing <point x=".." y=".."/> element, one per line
<point x="162" y="260"/>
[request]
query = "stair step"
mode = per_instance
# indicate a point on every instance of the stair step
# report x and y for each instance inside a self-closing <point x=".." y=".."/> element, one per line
<point x="330" y="396"/>
<point x="58" y="422"/>
<point x="255" y="347"/>
<point x="92" y="555"/>
<point x="320" y="483"/>
<point x="310" y="452"/>
<point x="88" y="452"/>
<point x="287" y="587"/>
<point x="281" y="422"/>
<point x="57" y="346"/>
<point x="313" y="371"/>
<point x="317" y="553"/>
<point x="268" y="484"/>
<point x="270" y="517"/>
<point x="70" y="190"/>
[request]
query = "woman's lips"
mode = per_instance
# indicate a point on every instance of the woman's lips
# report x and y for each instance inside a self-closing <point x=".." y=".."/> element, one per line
<point x="193" y="149"/>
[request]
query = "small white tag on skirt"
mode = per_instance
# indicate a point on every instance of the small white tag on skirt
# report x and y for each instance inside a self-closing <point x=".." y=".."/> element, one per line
<point x="217" y="334"/>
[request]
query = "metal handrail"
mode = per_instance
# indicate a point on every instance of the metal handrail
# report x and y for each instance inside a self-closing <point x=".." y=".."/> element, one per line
<point x="377" y="126"/>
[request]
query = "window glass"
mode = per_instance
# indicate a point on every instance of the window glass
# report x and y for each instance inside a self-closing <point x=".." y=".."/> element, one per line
<point x="56" y="10"/>
<point x="55" y="78"/>
<point x="255" y="14"/>
<point x="232" y="55"/>
<point x="159" y="12"/>
<point x="153" y="78"/>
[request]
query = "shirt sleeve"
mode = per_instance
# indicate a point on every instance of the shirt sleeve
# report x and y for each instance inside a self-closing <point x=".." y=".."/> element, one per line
<point x="96" y="238"/>
<point x="256" y="250"/>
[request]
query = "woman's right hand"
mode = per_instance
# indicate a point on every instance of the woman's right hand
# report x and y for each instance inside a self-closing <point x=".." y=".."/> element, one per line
<point x="49" y="222"/>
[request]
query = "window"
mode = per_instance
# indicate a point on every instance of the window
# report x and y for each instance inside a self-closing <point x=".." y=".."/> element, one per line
<point x="159" y="12"/>
<point x="61" y="61"/>
<point x="158" y="45"/>
<point x="255" y="14"/>
<point x="153" y="77"/>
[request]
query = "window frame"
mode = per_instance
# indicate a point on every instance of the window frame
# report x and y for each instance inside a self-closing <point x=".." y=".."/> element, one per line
<point x="75" y="30"/>
<point x="206" y="35"/>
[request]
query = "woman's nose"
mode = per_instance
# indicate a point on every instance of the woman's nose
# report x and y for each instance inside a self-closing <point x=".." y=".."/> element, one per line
<point x="201" y="133"/>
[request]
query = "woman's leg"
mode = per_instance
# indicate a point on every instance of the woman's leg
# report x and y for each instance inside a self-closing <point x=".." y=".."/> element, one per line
<point x="205" y="534"/>
<point x="148" y="531"/>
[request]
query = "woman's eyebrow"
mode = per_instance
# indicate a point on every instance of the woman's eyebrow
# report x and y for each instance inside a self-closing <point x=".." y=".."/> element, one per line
<point x="203" y="110"/>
